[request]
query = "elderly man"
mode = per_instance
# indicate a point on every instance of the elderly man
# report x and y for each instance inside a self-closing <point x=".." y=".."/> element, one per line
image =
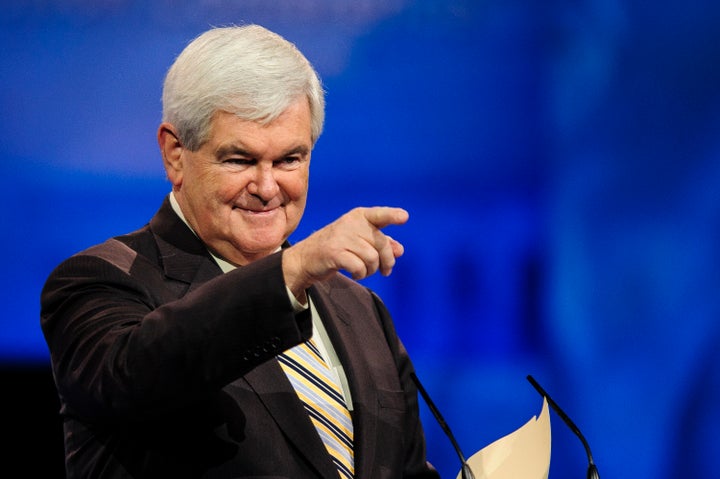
<point x="204" y="344"/>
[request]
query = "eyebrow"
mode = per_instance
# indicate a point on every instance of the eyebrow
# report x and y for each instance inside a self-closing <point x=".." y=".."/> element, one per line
<point x="233" y="149"/>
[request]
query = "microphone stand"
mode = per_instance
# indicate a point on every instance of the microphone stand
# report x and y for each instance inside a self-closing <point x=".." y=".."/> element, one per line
<point x="466" y="472"/>
<point x="592" y="472"/>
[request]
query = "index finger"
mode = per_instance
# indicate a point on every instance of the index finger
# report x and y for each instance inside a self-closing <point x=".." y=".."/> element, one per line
<point x="382" y="216"/>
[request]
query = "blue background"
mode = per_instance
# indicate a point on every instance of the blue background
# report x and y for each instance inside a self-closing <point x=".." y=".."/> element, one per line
<point x="559" y="161"/>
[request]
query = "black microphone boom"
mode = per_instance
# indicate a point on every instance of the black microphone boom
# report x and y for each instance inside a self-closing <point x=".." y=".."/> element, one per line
<point x="466" y="471"/>
<point x="592" y="472"/>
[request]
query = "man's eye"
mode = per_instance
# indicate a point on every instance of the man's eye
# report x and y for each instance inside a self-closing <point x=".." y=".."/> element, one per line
<point x="239" y="161"/>
<point x="288" y="160"/>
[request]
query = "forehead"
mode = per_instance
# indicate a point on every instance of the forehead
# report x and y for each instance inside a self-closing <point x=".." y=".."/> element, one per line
<point x="293" y="124"/>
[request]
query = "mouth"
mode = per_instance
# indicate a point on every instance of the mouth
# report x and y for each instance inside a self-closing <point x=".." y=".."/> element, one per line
<point x="257" y="211"/>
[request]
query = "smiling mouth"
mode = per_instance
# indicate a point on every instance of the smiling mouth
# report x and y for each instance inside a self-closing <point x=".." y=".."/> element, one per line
<point x="251" y="211"/>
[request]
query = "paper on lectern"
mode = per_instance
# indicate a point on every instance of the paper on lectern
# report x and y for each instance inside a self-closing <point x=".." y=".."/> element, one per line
<point x="524" y="453"/>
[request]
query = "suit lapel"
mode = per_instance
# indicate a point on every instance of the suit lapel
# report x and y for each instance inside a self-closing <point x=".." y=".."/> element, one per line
<point x="184" y="257"/>
<point x="352" y="354"/>
<point x="188" y="268"/>
<point x="277" y="394"/>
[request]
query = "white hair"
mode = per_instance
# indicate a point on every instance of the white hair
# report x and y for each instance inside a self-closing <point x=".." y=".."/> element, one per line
<point x="245" y="70"/>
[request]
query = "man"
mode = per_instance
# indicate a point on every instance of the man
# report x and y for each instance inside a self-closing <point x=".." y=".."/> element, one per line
<point x="172" y="346"/>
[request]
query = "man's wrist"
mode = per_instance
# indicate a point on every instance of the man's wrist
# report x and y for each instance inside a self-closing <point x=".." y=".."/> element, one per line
<point x="291" y="276"/>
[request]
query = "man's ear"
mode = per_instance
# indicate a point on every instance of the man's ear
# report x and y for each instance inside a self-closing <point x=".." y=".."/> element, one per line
<point x="171" y="150"/>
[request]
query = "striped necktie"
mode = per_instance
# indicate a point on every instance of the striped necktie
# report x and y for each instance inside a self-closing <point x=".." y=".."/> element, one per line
<point x="318" y="390"/>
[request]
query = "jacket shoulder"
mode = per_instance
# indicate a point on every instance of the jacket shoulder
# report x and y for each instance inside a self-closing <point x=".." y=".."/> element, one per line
<point x="123" y="251"/>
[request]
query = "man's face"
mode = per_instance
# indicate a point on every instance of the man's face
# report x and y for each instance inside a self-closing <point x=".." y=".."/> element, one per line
<point x="244" y="191"/>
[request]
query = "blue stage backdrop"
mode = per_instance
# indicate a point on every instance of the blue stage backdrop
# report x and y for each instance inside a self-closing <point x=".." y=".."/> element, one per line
<point x="560" y="162"/>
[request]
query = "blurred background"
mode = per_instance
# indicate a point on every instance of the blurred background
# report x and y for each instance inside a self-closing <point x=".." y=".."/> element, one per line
<point x="560" y="162"/>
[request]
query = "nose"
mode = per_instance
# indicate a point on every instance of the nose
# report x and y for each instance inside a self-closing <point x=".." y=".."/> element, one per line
<point x="263" y="184"/>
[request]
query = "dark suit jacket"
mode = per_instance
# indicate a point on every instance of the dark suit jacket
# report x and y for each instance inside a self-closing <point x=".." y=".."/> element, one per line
<point x="166" y="367"/>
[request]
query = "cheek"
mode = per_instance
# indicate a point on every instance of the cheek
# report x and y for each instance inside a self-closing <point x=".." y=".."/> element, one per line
<point x="228" y="188"/>
<point x="297" y="186"/>
<point x="298" y="197"/>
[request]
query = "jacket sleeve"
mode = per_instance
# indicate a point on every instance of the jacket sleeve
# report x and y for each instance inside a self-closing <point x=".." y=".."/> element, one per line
<point x="125" y="343"/>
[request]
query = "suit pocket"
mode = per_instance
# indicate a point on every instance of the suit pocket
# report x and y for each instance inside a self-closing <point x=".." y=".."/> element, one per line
<point x="391" y="400"/>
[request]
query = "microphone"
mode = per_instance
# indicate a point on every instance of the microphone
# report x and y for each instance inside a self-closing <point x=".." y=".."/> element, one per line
<point x="466" y="471"/>
<point x="592" y="472"/>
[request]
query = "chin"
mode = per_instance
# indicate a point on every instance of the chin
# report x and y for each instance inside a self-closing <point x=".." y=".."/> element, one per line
<point x="261" y="248"/>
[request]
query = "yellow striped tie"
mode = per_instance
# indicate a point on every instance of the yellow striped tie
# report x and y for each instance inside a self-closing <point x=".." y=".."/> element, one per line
<point x="319" y="392"/>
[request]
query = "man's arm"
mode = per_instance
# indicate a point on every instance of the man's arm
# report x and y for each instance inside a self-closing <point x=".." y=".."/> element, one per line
<point x="123" y="347"/>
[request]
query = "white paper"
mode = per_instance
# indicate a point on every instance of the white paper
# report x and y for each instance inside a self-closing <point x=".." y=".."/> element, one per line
<point x="524" y="453"/>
